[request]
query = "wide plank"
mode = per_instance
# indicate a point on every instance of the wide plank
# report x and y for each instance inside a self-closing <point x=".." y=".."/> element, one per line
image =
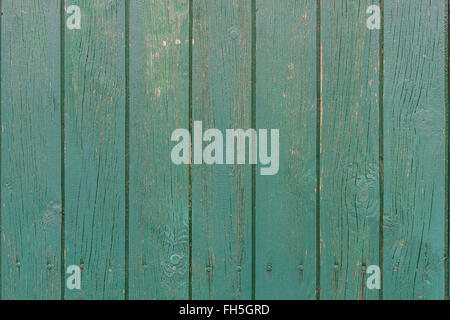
<point x="31" y="200"/>
<point x="414" y="149"/>
<point x="349" y="149"/>
<point x="95" y="149"/>
<point x="159" y="189"/>
<point x="221" y="194"/>
<point x="286" y="100"/>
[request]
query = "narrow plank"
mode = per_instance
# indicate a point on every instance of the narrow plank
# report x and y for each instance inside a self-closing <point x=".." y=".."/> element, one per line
<point x="159" y="189"/>
<point x="95" y="149"/>
<point x="414" y="156"/>
<point x="221" y="194"/>
<point x="286" y="100"/>
<point x="30" y="165"/>
<point x="349" y="173"/>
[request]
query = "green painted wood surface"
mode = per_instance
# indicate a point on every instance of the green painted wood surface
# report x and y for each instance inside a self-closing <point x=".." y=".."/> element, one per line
<point x="349" y="132"/>
<point x="286" y="100"/>
<point x="95" y="149"/>
<point x="159" y="190"/>
<point x="250" y="235"/>
<point x="414" y="149"/>
<point x="222" y="194"/>
<point x="30" y="142"/>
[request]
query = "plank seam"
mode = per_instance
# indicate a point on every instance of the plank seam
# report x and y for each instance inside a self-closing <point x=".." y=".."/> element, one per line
<point x="447" y="150"/>
<point x="381" y="147"/>
<point x="253" y="124"/>
<point x="1" y="153"/>
<point x="318" y="136"/>
<point x="127" y="149"/>
<point x="62" y="151"/>
<point x="191" y="16"/>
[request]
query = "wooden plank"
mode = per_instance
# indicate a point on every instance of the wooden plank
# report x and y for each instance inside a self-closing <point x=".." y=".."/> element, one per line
<point x="222" y="194"/>
<point x="159" y="189"/>
<point x="349" y="172"/>
<point x="286" y="100"/>
<point x="95" y="149"/>
<point x="414" y="149"/>
<point x="30" y="166"/>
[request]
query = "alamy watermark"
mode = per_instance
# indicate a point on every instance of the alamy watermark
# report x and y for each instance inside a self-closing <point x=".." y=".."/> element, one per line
<point x="74" y="280"/>
<point x="235" y="140"/>
<point x="374" y="20"/>
<point x="74" y="20"/>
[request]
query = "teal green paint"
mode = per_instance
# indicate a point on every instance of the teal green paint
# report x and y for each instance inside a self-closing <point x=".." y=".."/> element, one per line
<point x="159" y="189"/>
<point x="1" y="266"/>
<point x="31" y="191"/>
<point x="221" y="194"/>
<point x="82" y="94"/>
<point x="253" y="125"/>
<point x="127" y="151"/>
<point x="447" y="153"/>
<point x="95" y="145"/>
<point x="286" y="100"/>
<point x="414" y="144"/>
<point x="191" y="24"/>
<point x="318" y="137"/>
<point x="62" y="89"/>
<point x="349" y="185"/>
<point x="381" y="145"/>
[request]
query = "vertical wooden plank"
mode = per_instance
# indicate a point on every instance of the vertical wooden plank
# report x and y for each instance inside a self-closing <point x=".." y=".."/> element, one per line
<point x="286" y="100"/>
<point x="447" y="154"/>
<point x="30" y="166"/>
<point x="95" y="149"/>
<point x="414" y="156"/>
<point x="159" y="189"/>
<point x="222" y="194"/>
<point x="349" y="173"/>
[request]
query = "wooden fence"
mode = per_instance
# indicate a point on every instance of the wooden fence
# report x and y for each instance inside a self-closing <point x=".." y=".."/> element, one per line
<point x="86" y="176"/>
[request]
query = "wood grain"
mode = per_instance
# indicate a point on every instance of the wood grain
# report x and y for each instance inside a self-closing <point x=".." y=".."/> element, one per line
<point x="349" y="172"/>
<point x="159" y="189"/>
<point x="30" y="142"/>
<point x="414" y="157"/>
<point x="95" y="149"/>
<point x="221" y="194"/>
<point x="314" y="73"/>
<point x="286" y="100"/>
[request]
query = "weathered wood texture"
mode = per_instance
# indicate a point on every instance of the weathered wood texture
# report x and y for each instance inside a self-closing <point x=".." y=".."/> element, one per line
<point x="349" y="176"/>
<point x="250" y="235"/>
<point x="286" y="100"/>
<point x="95" y="149"/>
<point x="222" y="194"/>
<point x="159" y="190"/>
<point x="30" y="142"/>
<point x="414" y="149"/>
